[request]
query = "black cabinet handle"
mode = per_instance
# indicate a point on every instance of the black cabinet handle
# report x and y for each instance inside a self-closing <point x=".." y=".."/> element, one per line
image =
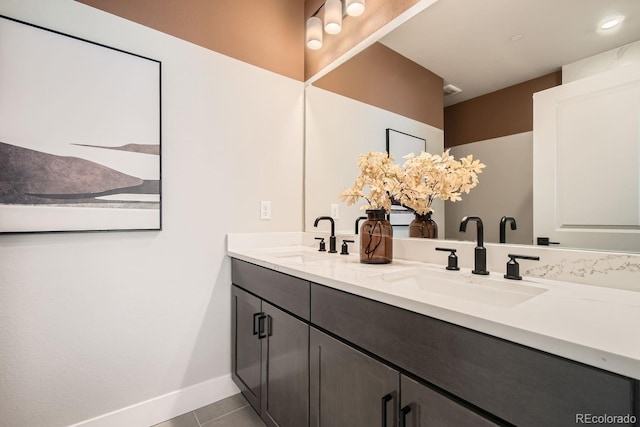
<point x="385" y="400"/>
<point x="403" y="415"/>
<point x="269" y="325"/>
<point x="261" y="332"/>
<point x="256" y="317"/>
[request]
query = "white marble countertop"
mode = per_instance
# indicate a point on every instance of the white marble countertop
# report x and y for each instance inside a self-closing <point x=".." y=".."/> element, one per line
<point x="594" y="325"/>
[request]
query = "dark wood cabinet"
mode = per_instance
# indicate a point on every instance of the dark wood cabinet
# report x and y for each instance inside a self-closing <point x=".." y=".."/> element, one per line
<point x="352" y="389"/>
<point x="270" y="360"/>
<point x="518" y="384"/>
<point x="349" y="388"/>
<point x="246" y="348"/>
<point x="421" y="406"/>
<point x="310" y="355"/>
<point x="285" y="370"/>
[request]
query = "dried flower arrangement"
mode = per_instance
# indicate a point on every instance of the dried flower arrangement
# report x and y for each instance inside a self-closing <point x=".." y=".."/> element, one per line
<point x="432" y="176"/>
<point x="379" y="176"/>
<point x="420" y="181"/>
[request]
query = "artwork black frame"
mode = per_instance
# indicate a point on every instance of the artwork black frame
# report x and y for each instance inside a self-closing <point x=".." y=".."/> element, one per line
<point x="80" y="134"/>
<point x="399" y="144"/>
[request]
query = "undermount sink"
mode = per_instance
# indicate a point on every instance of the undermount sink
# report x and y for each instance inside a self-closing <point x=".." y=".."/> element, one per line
<point x="302" y="257"/>
<point x="497" y="292"/>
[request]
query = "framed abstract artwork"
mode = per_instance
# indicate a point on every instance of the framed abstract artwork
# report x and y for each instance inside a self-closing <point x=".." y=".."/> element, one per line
<point x="80" y="134"/>
<point x="399" y="144"/>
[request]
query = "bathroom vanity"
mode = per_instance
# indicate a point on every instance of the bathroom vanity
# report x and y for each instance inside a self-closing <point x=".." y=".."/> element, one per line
<point x="324" y="341"/>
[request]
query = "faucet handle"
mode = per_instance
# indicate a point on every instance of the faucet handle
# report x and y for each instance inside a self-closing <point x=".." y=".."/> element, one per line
<point x="323" y="245"/>
<point x="345" y="247"/>
<point x="452" y="260"/>
<point x="513" y="268"/>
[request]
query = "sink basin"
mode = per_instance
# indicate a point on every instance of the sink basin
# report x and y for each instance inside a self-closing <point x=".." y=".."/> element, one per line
<point x="422" y="283"/>
<point x="303" y="258"/>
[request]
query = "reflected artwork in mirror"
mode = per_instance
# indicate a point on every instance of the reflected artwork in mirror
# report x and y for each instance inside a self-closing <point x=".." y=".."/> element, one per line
<point x="399" y="144"/>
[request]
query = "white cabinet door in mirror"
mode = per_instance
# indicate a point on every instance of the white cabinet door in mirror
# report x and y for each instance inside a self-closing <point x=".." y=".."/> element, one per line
<point x="586" y="146"/>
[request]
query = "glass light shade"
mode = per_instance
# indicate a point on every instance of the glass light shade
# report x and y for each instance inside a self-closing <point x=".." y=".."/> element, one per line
<point x="314" y="33"/>
<point x="355" y="7"/>
<point x="333" y="16"/>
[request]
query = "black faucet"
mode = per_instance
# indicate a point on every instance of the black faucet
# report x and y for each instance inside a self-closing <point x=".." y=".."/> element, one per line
<point x="360" y="218"/>
<point x="332" y="238"/>
<point x="480" y="261"/>
<point x="503" y="227"/>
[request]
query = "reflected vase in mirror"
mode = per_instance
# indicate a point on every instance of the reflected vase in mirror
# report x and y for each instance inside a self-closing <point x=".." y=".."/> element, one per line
<point x="423" y="226"/>
<point x="376" y="239"/>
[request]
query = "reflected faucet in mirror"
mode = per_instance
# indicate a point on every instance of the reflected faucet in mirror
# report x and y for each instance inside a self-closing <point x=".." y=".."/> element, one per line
<point x="360" y="218"/>
<point x="480" y="253"/>
<point x="503" y="227"/>
<point x="332" y="238"/>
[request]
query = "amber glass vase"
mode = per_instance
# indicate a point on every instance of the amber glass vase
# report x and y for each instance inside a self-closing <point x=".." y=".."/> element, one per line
<point x="376" y="239"/>
<point x="423" y="226"/>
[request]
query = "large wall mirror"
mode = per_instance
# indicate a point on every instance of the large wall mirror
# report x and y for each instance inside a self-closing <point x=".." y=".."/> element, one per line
<point x="481" y="48"/>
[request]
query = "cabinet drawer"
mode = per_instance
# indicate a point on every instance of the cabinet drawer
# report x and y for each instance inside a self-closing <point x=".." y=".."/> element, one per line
<point x="287" y="292"/>
<point x="521" y="385"/>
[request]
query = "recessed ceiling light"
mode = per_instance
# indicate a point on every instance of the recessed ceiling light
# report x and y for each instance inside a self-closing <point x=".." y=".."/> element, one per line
<point x="611" y="22"/>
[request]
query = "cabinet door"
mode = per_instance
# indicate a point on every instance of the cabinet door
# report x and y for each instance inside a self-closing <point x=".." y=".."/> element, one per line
<point x="348" y="388"/>
<point x="285" y="370"/>
<point x="245" y="346"/>
<point x="422" y="407"/>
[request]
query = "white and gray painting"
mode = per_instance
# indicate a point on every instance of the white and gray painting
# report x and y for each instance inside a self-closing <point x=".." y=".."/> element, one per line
<point x="79" y="134"/>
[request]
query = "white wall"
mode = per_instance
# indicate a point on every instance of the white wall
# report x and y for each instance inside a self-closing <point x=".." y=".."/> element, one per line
<point x="338" y="129"/>
<point x="505" y="188"/>
<point x="95" y="322"/>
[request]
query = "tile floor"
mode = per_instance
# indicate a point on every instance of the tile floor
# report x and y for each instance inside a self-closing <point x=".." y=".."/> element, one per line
<point x="233" y="411"/>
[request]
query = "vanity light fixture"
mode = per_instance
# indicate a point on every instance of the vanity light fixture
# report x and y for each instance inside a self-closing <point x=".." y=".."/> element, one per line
<point x="333" y="16"/>
<point x="314" y="33"/>
<point x="334" y="12"/>
<point x="611" y="22"/>
<point x="354" y="7"/>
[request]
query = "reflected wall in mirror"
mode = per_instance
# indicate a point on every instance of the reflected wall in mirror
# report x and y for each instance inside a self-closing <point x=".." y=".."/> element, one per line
<point x="347" y="114"/>
<point x="494" y="48"/>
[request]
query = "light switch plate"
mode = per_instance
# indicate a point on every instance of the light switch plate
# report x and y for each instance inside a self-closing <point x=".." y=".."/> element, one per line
<point x="265" y="210"/>
<point x="334" y="211"/>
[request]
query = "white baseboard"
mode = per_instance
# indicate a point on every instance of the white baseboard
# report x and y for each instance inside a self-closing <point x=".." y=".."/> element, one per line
<point x="162" y="408"/>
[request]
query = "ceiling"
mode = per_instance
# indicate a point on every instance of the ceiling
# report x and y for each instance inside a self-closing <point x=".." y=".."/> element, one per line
<point x="469" y="42"/>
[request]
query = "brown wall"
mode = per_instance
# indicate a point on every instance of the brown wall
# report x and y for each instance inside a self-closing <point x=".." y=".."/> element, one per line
<point x="354" y="29"/>
<point x="381" y="77"/>
<point x="504" y="112"/>
<point x="265" y="33"/>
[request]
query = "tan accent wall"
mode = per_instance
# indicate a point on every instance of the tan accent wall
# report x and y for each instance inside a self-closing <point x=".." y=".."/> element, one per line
<point x="354" y="29"/>
<point x="268" y="34"/>
<point x="504" y="112"/>
<point x="383" y="78"/>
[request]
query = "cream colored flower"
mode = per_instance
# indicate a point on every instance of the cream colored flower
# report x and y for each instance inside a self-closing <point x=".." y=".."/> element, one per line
<point x="431" y="176"/>
<point x="379" y="178"/>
